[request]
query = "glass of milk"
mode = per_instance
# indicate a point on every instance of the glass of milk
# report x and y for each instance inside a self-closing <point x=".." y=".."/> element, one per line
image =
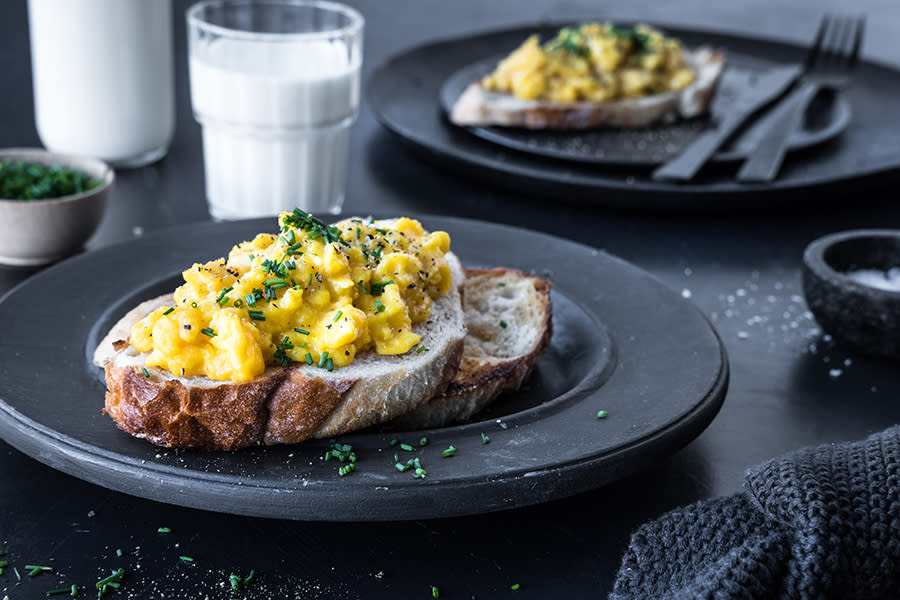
<point x="275" y="88"/>
<point x="103" y="78"/>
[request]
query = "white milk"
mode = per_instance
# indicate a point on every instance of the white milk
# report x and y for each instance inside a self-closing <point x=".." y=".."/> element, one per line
<point x="103" y="77"/>
<point x="276" y="124"/>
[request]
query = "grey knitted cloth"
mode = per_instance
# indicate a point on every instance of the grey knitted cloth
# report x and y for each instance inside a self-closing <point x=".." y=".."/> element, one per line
<point x="819" y="523"/>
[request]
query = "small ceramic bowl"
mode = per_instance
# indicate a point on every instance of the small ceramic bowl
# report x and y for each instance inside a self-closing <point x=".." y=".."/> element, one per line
<point x="37" y="232"/>
<point x="851" y="280"/>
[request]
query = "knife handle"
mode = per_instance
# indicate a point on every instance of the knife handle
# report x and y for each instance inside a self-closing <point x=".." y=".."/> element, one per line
<point x="684" y="166"/>
<point x="765" y="160"/>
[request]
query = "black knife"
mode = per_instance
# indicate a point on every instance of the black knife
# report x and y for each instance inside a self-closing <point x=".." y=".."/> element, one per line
<point x="757" y="91"/>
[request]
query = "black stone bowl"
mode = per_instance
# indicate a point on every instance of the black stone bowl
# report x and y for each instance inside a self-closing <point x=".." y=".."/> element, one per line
<point x="862" y="317"/>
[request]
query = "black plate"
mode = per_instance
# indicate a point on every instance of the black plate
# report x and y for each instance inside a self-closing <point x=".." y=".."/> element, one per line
<point x="650" y="146"/>
<point x="623" y="343"/>
<point x="404" y="93"/>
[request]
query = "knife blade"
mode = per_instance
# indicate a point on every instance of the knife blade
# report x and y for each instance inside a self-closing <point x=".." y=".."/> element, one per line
<point x="757" y="91"/>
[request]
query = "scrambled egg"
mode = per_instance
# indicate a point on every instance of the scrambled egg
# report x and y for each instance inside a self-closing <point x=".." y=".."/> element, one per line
<point x="314" y="294"/>
<point x="593" y="62"/>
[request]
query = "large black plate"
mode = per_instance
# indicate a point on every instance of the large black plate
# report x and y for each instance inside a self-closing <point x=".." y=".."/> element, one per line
<point x="623" y="343"/>
<point x="651" y="146"/>
<point x="404" y="93"/>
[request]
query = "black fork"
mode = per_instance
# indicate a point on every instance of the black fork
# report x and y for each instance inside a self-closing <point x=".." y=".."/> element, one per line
<point x="830" y="64"/>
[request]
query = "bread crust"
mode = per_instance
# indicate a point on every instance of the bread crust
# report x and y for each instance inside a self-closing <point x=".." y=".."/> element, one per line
<point x="284" y="405"/>
<point x="478" y="382"/>
<point x="479" y="107"/>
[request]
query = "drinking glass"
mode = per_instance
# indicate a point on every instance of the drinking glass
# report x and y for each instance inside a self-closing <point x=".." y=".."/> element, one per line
<point x="275" y="88"/>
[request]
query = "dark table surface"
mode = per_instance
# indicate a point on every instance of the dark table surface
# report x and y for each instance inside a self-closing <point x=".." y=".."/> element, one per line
<point x="791" y="386"/>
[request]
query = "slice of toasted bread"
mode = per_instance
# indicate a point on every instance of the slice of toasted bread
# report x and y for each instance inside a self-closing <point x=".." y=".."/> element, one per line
<point x="283" y="405"/>
<point x="477" y="106"/>
<point x="509" y="318"/>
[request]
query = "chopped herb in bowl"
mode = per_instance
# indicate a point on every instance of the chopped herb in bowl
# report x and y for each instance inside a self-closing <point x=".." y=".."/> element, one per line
<point x="20" y="180"/>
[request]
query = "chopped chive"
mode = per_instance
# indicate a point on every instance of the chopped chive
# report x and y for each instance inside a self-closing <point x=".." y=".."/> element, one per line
<point x="4" y="563"/>
<point x="602" y="414"/>
<point x="435" y="593"/>
<point x="118" y="552"/>
<point x="503" y="324"/>
<point x="249" y="577"/>
<point x="363" y="288"/>
<point x="514" y="586"/>
<point x="256" y="315"/>
<point x="323" y="358"/>
<point x="345" y="469"/>
<point x="402" y="467"/>
<point x="164" y="530"/>
<point x="207" y="331"/>
<point x="145" y="371"/>
<point x="329" y="364"/>
<point x="450" y="451"/>
<point x="193" y="305"/>
<point x="186" y="558"/>
<point x="301" y="331"/>
<point x="393" y="443"/>
<point x="110" y="579"/>
<point x="423" y="441"/>
<point x="338" y="315"/>
<point x="309" y="359"/>
<point x="379" y="306"/>
<point x="169" y="311"/>
<point x="421" y="349"/>
<point x="235" y="581"/>
<point x="74" y="592"/>
<point x="35" y="570"/>
<point x="309" y="283"/>
<point x="501" y="284"/>
<point x="485" y="439"/>
<point x="59" y="591"/>
<point x="407" y="447"/>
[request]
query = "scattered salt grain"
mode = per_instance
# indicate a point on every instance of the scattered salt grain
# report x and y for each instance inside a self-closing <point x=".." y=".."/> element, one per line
<point x="685" y="293"/>
<point x="835" y="373"/>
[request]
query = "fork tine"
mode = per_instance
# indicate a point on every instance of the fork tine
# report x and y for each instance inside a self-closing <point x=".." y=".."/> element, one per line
<point x="858" y="33"/>
<point x="812" y="54"/>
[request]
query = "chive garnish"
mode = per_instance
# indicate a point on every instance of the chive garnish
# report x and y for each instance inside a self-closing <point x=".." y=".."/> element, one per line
<point x="345" y="469"/>
<point x="186" y="558"/>
<point x="256" y="315"/>
<point x="309" y="358"/>
<point x="118" y="552"/>
<point x="323" y="358"/>
<point x="207" y="331"/>
<point x="421" y="349"/>
<point x="393" y="443"/>
<point x="329" y="365"/>
<point x="169" y="311"/>
<point x="435" y="593"/>
<point x="164" y="530"/>
<point x="379" y="306"/>
<point x="423" y="441"/>
<point x="602" y="414"/>
<point x="485" y="439"/>
<point x="21" y="180"/>
<point x="407" y="447"/>
<point x="74" y="592"/>
<point x="503" y="324"/>
<point x="363" y="288"/>
<point x="34" y="570"/>
<point x="145" y="371"/>
<point x="338" y="315"/>
<point x="301" y="331"/>
<point x="238" y="303"/>
<point x="193" y="305"/>
<point x="59" y="591"/>
<point x="450" y="451"/>
<point x="514" y="586"/>
<point x="235" y="581"/>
